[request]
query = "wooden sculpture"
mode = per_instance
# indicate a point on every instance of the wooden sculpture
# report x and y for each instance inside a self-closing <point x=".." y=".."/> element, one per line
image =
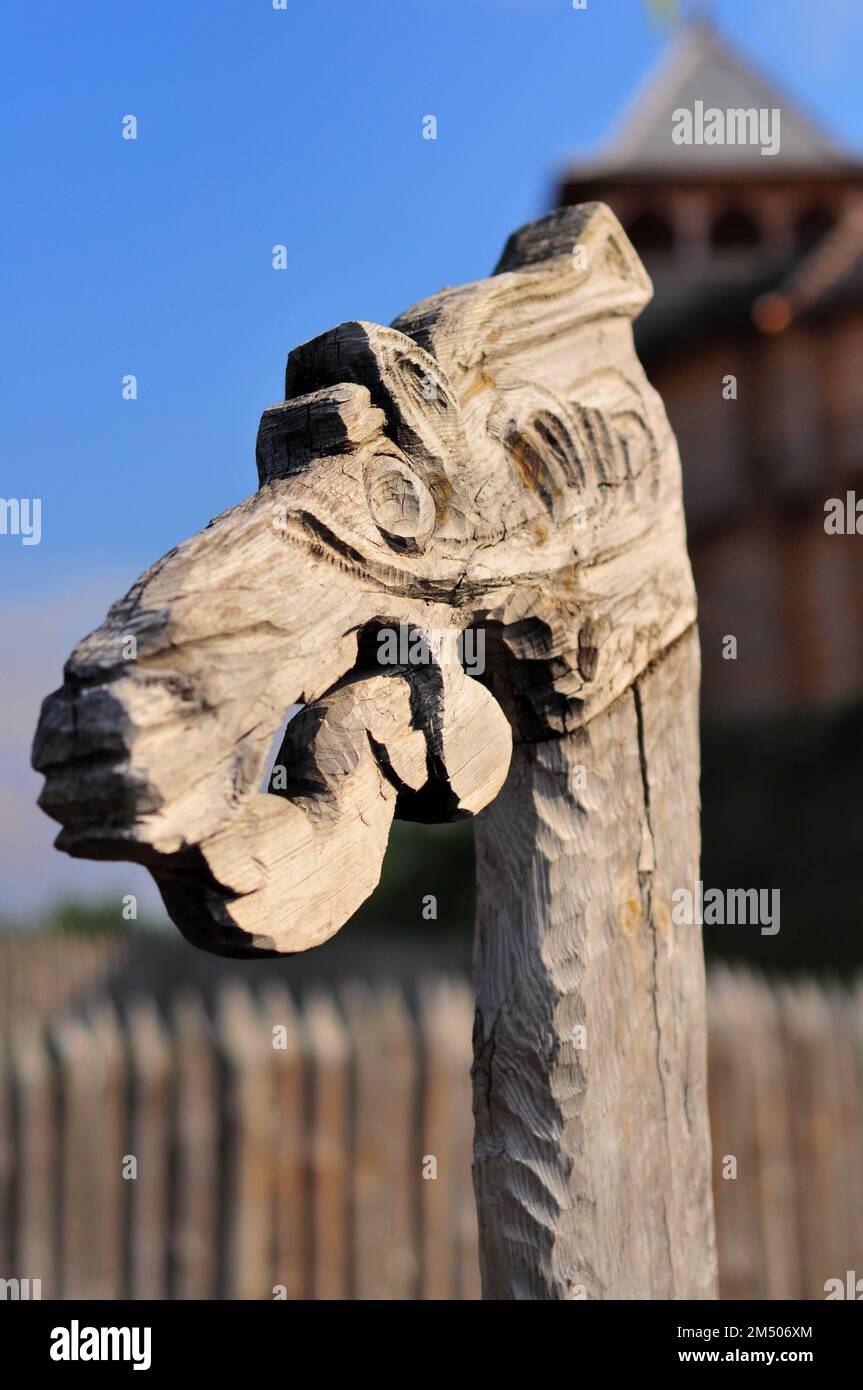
<point x="495" y="463"/>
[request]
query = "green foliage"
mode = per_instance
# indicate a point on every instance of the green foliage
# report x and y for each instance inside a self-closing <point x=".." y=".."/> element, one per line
<point x="75" y="918"/>
<point x="780" y="799"/>
<point x="81" y="917"/>
<point x="423" y="860"/>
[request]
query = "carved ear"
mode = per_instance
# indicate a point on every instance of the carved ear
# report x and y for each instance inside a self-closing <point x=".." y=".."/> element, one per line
<point x="294" y="433"/>
<point x="554" y="276"/>
<point x="412" y="390"/>
<point x="488" y="414"/>
<point x="520" y="352"/>
<point x="610" y="277"/>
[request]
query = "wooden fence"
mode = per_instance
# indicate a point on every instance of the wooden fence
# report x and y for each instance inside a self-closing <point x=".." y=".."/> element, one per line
<point x="263" y="1146"/>
<point x="41" y="972"/>
<point x="266" y="1148"/>
<point x="786" y="1105"/>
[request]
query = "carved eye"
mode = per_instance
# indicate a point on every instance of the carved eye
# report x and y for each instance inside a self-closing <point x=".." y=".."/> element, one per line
<point x="400" y="504"/>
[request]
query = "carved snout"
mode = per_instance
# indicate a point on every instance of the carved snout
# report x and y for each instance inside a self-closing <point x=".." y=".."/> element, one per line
<point x="164" y="722"/>
<point x="496" y="458"/>
<point x="155" y="747"/>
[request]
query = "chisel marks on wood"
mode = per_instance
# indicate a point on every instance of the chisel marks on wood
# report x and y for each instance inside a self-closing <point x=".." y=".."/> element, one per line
<point x="592" y="1153"/>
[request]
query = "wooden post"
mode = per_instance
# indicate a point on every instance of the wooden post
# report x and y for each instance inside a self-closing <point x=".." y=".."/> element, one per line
<point x="36" y="1149"/>
<point x="592" y="1148"/>
<point x="398" y="1061"/>
<point x="329" y="1057"/>
<point x="439" y="1027"/>
<point x="468" y="535"/>
<point x="78" y="1067"/>
<point x="195" y="1126"/>
<point x="150" y="1064"/>
<point x="247" y="1052"/>
<point x="291" y="1240"/>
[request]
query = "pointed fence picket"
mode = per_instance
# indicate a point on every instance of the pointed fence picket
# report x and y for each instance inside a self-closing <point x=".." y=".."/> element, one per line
<point x="257" y="1145"/>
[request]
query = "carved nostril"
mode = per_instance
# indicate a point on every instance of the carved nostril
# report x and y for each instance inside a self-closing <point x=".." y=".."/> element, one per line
<point x="400" y="504"/>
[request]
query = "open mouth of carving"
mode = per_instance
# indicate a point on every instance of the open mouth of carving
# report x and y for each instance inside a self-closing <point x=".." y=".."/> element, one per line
<point x="479" y="461"/>
<point x="404" y="733"/>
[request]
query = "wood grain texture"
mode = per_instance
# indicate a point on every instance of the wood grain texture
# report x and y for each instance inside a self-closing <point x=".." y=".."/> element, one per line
<point x="195" y="1126"/>
<point x="592" y="1156"/>
<point x="494" y="462"/>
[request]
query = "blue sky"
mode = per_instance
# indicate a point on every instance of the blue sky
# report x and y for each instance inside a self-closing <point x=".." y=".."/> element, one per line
<point x="154" y="256"/>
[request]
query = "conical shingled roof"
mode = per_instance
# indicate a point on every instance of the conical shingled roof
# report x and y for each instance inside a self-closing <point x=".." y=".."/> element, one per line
<point x="698" y="66"/>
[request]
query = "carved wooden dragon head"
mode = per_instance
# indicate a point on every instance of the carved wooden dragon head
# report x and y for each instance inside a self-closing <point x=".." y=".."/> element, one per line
<point x="496" y="461"/>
